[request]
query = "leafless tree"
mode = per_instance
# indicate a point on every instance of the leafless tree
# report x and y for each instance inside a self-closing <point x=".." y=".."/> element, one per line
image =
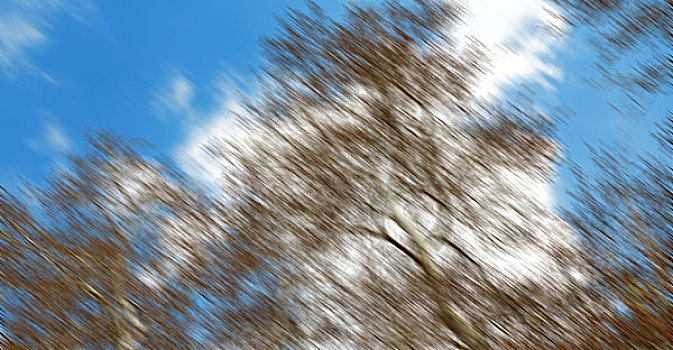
<point x="113" y="252"/>
<point x="622" y="209"/>
<point x="400" y="214"/>
<point x="620" y="28"/>
<point x="624" y="215"/>
<point x="370" y="203"/>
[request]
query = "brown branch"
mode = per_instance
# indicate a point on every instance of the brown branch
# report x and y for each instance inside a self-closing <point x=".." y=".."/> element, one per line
<point x="383" y="234"/>
<point x="458" y="249"/>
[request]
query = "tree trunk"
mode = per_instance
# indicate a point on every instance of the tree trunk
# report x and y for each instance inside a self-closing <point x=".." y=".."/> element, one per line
<point x="460" y="327"/>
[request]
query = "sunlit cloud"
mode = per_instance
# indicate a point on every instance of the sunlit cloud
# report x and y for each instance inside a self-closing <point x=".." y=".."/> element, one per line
<point x="192" y="156"/>
<point x="206" y="125"/>
<point x="520" y="38"/>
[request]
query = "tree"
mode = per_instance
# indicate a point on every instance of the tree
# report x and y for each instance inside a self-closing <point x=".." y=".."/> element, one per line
<point x="624" y="216"/>
<point x="371" y="203"/>
<point x="395" y="209"/>
<point x="621" y="211"/>
<point x="117" y="251"/>
<point x="622" y="27"/>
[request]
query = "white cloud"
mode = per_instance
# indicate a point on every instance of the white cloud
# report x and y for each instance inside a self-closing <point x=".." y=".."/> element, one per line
<point x="192" y="156"/>
<point x="203" y="126"/>
<point x="520" y="37"/>
<point x="24" y="26"/>
<point x="17" y="37"/>
<point x="175" y="98"/>
<point x="52" y="139"/>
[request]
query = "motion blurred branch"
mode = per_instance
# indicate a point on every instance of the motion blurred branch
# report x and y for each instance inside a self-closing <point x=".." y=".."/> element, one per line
<point x="389" y="90"/>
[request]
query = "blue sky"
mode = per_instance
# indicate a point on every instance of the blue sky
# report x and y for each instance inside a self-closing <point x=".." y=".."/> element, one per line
<point x="101" y="64"/>
<point x="165" y="70"/>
